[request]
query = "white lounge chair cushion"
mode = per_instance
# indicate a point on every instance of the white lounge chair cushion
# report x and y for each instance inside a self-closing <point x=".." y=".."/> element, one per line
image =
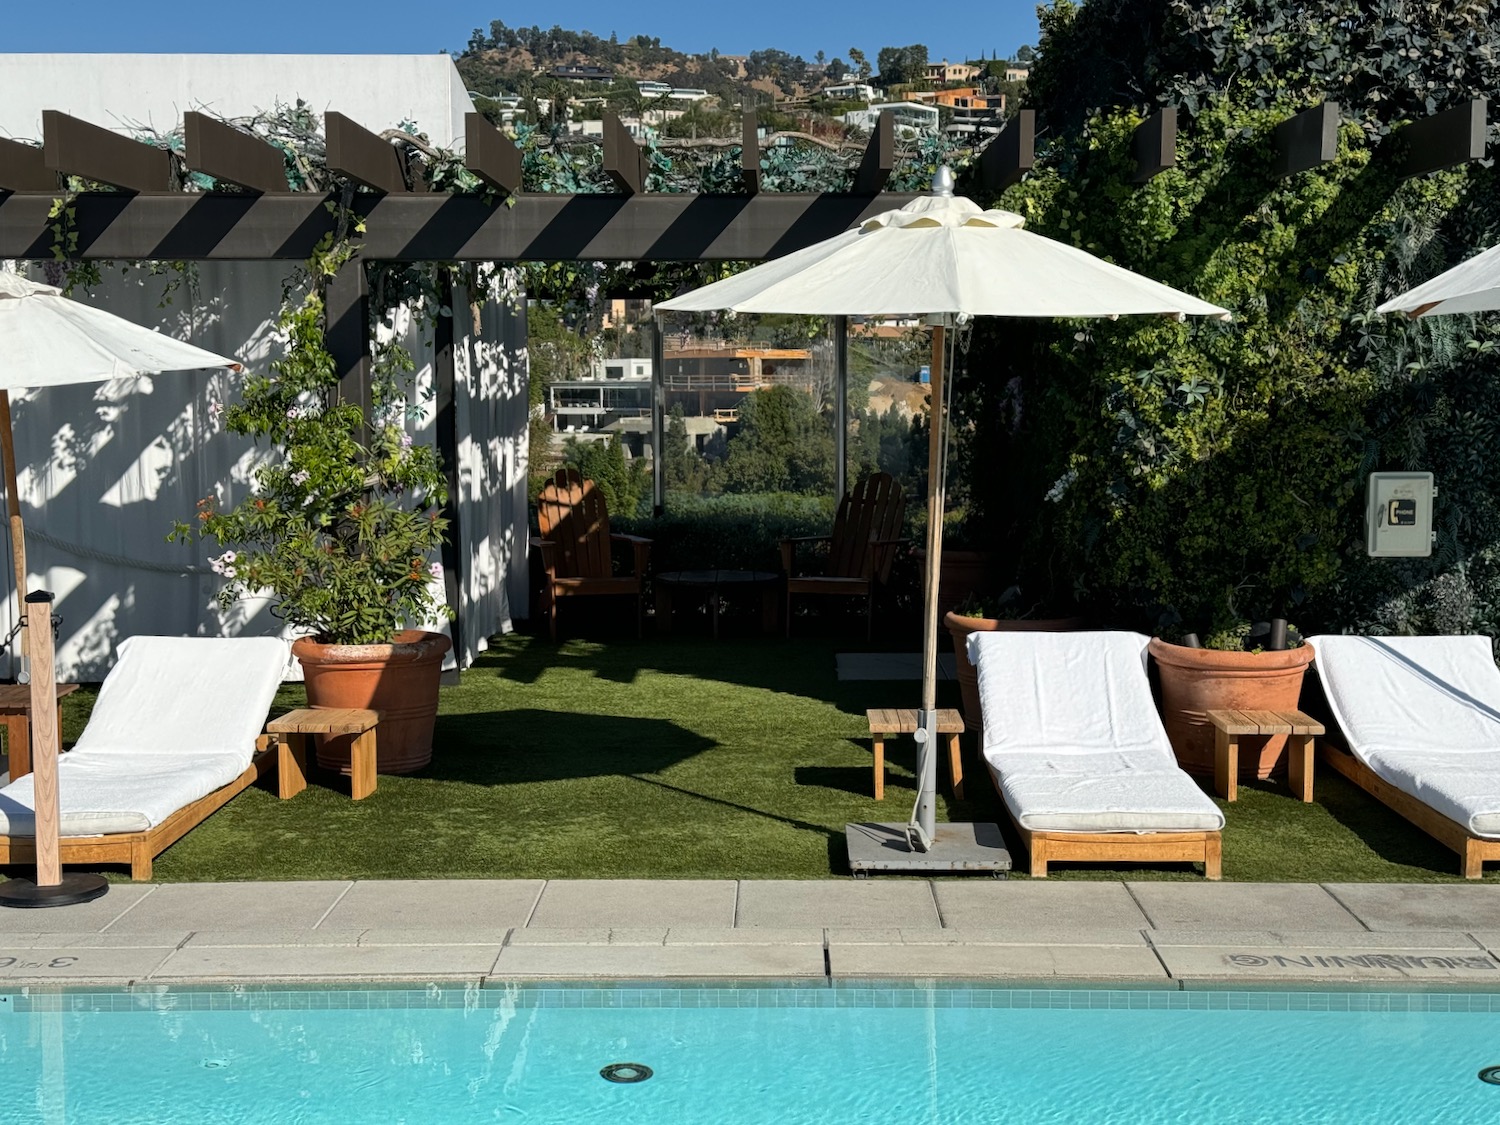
<point x="1423" y="713"/>
<point x="190" y="695"/>
<point x="105" y="793"/>
<point x="1073" y="738"/>
<point x="176" y="718"/>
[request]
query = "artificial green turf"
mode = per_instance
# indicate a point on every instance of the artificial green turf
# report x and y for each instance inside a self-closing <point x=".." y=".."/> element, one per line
<point x="689" y="758"/>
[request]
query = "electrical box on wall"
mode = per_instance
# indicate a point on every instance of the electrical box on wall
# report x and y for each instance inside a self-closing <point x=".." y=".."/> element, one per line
<point x="1398" y="515"/>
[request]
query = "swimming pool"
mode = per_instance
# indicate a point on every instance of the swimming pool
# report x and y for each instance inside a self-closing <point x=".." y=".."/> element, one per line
<point x="747" y="1055"/>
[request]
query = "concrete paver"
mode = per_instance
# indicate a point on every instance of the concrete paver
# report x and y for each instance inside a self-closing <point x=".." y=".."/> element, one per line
<point x="1388" y="906"/>
<point x="313" y="962"/>
<point x="851" y="903"/>
<point x="1021" y="904"/>
<point x="1425" y="939"/>
<point x="456" y="903"/>
<point x="73" y="965"/>
<point x="1243" y="906"/>
<point x="118" y="900"/>
<point x="986" y="936"/>
<point x="635" y="902"/>
<point x="231" y="906"/>
<point x="729" y="962"/>
<point x="1017" y="962"/>
<point x="1305" y="964"/>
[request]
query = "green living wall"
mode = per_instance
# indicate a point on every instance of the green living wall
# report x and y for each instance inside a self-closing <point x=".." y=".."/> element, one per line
<point x="1169" y="475"/>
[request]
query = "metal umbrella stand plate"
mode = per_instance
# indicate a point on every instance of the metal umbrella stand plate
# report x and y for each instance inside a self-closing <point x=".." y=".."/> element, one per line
<point x="51" y="887"/>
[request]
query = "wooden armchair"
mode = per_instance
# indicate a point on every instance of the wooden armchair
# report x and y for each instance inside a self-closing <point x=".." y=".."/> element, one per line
<point x="577" y="548"/>
<point x="866" y="532"/>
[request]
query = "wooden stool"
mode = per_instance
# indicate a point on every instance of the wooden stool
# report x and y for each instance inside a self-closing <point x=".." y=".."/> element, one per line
<point x="291" y="752"/>
<point x="1230" y="725"/>
<point x="15" y="714"/>
<point x="885" y="722"/>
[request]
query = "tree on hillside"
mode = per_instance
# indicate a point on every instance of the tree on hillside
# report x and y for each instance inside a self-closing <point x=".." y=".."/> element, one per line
<point x="783" y="445"/>
<point x="900" y="66"/>
<point x="861" y="64"/>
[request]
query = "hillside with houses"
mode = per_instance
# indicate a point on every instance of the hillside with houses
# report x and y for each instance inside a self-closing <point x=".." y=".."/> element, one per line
<point x="565" y="81"/>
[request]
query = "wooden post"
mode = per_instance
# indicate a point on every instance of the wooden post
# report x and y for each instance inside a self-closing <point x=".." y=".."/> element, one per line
<point x="44" y="743"/>
<point x="13" y="508"/>
<point x="935" y="501"/>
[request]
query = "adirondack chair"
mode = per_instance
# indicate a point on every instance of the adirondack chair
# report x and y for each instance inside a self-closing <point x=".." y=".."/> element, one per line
<point x="866" y="531"/>
<point x="576" y="547"/>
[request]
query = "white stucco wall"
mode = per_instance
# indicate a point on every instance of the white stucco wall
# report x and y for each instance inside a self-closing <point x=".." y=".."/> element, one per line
<point x="121" y="92"/>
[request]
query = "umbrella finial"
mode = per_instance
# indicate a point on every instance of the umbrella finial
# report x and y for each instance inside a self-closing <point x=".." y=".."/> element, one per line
<point x="942" y="181"/>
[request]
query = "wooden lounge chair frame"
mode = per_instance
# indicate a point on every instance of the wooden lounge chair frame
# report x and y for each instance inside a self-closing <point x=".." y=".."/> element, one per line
<point x="866" y="531"/>
<point x="1472" y="850"/>
<point x="140" y="849"/>
<point x="575" y="545"/>
<point x="1043" y="848"/>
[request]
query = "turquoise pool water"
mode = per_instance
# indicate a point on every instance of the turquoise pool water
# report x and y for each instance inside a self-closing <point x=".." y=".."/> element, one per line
<point x="747" y="1055"/>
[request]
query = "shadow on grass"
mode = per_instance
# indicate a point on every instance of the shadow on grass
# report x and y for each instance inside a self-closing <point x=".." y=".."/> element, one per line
<point x="1384" y="831"/>
<point x="531" y="745"/>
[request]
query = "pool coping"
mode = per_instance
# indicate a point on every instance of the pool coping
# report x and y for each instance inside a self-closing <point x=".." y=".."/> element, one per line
<point x="496" y="933"/>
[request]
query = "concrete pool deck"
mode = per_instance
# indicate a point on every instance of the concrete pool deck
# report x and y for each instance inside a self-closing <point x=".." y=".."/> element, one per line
<point x="492" y="932"/>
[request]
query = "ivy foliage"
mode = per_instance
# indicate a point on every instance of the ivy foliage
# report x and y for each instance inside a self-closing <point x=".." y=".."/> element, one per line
<point x="1194" y="474"/>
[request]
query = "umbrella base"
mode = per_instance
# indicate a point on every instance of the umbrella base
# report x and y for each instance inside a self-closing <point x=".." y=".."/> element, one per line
<point x="956" y="849"/>
<point x="74" y="889"/>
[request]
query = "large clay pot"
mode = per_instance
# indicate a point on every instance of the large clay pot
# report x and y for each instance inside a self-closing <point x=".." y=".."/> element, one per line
<point x="400" y="680"/>
<point x="961" y="573"/>
<point x="968" y="676"/>
<point x="1195" y="681"/>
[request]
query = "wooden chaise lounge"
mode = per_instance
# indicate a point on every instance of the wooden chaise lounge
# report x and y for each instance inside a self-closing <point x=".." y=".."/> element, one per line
<point x="174" y="735"/>
<point x="1420" y="719"/>
<point x="1079" y="755"/>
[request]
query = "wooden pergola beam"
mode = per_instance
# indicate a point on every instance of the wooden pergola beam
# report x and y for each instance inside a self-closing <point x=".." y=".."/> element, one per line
<point x="1011" y="154"/>
<point x="1451" y="137"/>
<point x="436" y="226"/>
<point x="228" y="154"/>
<point x="1307" y="140"/>
<point x="491" y="155"/>
<point x="624" y="161"/>
<point x="362" y="156"/>
<point x="75" y="147"/>
<point x="24" y="168"/>
<point x="1154" y="144"/>
<point x="879" y="160"/>
<point x="750" y="152"/>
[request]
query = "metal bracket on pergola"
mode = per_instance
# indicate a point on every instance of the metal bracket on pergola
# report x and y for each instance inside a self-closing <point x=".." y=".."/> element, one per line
<point x="491" y="155"/>
<point x="80" y="148"/>
<point x="1308" y="139"/>
<point x="1454" y="136"/>
<point x="24" y="168"/>
<point x="624" y="162"/>
<point x="879" y="160"/>
<point x="1011" y="154"/>
<point x="1154" y="144"/>
<point x="232" y="155"/>
<point x="750" y="152"/>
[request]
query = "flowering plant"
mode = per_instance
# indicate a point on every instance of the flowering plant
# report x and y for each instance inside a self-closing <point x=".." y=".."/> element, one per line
<point x="340" y="528"/>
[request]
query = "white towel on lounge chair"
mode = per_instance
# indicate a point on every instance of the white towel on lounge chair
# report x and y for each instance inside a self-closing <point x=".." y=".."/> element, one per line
<point x="176" y="718"/>
<point x="1423" y="713"/>
<point x="1073" y="738"/>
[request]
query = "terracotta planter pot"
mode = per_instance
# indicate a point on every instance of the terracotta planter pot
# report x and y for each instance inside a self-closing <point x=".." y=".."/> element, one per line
<point x="1195" y="681"/>
<point x="968" y="676"/>
<point x="400" y="680"/>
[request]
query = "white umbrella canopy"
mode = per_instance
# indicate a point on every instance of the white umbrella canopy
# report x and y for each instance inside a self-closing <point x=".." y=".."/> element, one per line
<point x="49" y="340"/>
<point x="1469" y="287"/>
<point x="943" y="257"/>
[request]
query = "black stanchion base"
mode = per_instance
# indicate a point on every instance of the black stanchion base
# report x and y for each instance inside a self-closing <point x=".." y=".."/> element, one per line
<point x="73" y="889"/>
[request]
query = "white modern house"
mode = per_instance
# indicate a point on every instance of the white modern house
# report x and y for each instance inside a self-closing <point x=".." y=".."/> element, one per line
<point x="106" y="471"/>
<point x="911" y="118"/>
<point x="850" y="92"/>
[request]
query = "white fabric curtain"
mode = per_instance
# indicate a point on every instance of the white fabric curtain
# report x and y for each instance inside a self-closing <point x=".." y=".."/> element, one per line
<point x="105" y="471"/>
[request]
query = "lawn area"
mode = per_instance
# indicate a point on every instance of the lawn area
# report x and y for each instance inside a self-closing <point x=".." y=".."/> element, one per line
<point x="686" y="758"/>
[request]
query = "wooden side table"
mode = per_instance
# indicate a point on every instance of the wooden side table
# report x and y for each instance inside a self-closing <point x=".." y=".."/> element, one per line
<point x="15" y="714"/>
<point x="1229" y="726"/>
<point x="885" y="722"/>
<point x="291" y="754"/>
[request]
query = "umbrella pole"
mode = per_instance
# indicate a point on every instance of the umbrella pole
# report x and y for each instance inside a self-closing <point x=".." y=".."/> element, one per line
<point x="51" y="887"/>
<point x="17" y="532"/>
<point x="925" y="821"/>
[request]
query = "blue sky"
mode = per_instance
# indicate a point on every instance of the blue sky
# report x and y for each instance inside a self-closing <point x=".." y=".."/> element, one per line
<point x="384" y="26"/>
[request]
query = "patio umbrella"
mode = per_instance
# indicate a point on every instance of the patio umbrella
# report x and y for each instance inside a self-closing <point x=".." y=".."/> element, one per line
<point x="942" y="257"/>
<point x="1469" y="287"/>
<point x="49" y="340"/>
